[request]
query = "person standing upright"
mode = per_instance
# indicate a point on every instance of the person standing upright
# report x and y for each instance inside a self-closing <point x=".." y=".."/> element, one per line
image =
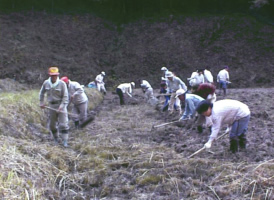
<point x="57" y="97"/>
<point x="208" y="76"/>
<point x="174" y="83"/>
<point x="79" y="99"/>
<point x="222" y="79"/>
<point x="99" y="80"/>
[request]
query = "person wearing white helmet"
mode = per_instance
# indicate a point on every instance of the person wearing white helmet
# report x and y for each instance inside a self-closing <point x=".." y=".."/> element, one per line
<point x="99" y="80"/>
<point x="165" y="71"/>
<point x="125" y="88"/>
<point x="79" y="100"/>
<point x="174" y="83"/>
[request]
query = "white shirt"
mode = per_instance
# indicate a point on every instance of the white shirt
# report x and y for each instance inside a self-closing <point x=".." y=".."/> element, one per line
<point x="208" y="76"/>
<point x="199" y="79"/>
<point x="99" y="78"/>
<point x="78" y="93"/>
<point x="223" y="75"/>
<point x="145" y="84"/>
<point x="225" y="112"/>
<point x="126" y="88"/>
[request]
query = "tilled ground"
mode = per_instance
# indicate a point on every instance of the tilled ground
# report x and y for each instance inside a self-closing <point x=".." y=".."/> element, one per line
<point x="143" y="162"/>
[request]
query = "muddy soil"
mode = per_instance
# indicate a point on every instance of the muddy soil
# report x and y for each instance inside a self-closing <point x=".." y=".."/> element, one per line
<point x="131" y="126"/>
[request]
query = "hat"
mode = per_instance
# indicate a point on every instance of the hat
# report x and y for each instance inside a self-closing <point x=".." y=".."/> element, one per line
<point x="180" y="92"/>
<point x="226" y="67"/>
<point x="164" y="69"/>
<point x="53" y="71"/>
<point x="65" y="79"/>
<point x="133" y="84"/>
<point x="103" y="73"/>
<point x="169" y="74"/>
<point x="203" y="106"/>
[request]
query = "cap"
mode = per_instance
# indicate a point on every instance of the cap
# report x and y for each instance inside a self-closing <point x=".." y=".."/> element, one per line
<point x="169" y="74"/>
<point x="164" y="69"/>
<point x="65" y="79"/>
<point x="53" y="71"/>
<point x="180" y="92"/>
<point x="103" y="73"/>
<point x="133" y="84"/>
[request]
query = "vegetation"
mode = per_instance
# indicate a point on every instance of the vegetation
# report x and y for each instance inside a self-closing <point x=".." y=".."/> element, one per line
<point x="122" y="11"/>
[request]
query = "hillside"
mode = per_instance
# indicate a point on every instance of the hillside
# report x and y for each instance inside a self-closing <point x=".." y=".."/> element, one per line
<point x="84" y="45"/>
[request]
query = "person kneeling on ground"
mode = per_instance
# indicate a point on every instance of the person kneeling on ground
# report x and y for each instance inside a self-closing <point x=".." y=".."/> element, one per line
<point x="78" y="97"/>
<point x="227" y="112"/>
<point x="124" y="88"/>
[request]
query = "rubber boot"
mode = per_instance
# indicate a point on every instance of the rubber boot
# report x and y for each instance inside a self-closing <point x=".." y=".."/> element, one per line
<point x="200" y="129"/>
<point x="234" y="144"/>
<point x="65" y="137"/>
<point x="76" y="123"/>
<point x="55" y="136"/>
<point x="242" y="141"/>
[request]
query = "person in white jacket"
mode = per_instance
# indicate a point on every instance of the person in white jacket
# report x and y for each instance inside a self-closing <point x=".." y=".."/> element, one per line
<point x="124" y="88"/>
<point x="208" y="76"/>
<point x="99" y="80"/>
<point x="233" y="113"/>
<point x="79" y="99"/>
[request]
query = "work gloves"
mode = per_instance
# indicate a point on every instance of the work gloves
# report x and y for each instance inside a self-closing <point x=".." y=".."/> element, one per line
<point x="208" y="144"/>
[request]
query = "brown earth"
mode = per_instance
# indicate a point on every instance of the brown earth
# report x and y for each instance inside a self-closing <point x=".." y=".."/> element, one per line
<point x="84" y="45"/>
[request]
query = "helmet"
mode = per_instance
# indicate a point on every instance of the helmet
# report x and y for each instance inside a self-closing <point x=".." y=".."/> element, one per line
<point x="179" y="92"/>
<point x="169" y="74"/>
<point x="164" y="69"/>
<point x="133" y="84"/>
<point x="53" y="71"/>
<point x="65" y="79"/>
<point x="103" y="73"/>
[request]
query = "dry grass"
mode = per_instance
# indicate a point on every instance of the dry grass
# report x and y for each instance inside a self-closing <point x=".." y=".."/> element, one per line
<point x="115" y="157"/>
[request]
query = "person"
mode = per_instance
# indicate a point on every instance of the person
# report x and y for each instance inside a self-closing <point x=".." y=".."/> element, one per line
<point x="208" y="76"/>
<point x="206" y="91"/>
<point x="148" y="90"/>
<point x="57" y="97"/>
<point x="192" y="80"/>
<point x="125" y="88"/>
<point x="99" y="80"/>
<point x="198" y="78"/>
<point x="165" y="71"/>
<point x="174" y="83"/>
<point x="79" y="99"/>
<point x="163" y="90"/>
<point x="233" y="113"/>
<point x="223" y="79"/>
<point x="191" y="102"/>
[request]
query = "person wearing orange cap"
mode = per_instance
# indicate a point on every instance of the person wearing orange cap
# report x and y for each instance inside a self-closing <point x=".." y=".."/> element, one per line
<point x="57" y="97"/>
<point x="79" y="100"/>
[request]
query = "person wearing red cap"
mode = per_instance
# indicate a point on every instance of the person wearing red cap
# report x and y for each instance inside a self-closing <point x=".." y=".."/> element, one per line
<point x="57" y="97"/>
<point x="79" y="100"/>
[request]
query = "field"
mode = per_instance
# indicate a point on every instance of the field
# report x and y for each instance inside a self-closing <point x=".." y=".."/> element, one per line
<point x="120" y="156"/>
